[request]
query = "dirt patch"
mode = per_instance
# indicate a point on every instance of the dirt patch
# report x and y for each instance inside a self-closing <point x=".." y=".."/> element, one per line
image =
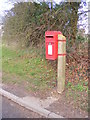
<point x="21" y="91"/>
<point x="18" y="91"/>
<point x="68" y="104"/>
<point x="0" y="77"/>
<point x="63" y="106"/>
<point x="21" y="87"/>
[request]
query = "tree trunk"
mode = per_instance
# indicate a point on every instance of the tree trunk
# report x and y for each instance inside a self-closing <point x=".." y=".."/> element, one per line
<point x="74" y="19"/>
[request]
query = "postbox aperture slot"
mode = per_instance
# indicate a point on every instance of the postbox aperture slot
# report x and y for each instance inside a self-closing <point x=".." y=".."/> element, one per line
<point x="49" y="36"/>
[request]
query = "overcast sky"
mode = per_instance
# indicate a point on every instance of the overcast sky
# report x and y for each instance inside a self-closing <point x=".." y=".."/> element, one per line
<point x="6" y="5"/>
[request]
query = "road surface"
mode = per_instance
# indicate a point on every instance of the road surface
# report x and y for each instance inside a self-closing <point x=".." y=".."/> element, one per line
<point x="13" y="110"/>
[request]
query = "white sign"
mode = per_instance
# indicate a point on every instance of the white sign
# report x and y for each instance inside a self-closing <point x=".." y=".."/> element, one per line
<point x="49" y="49"/>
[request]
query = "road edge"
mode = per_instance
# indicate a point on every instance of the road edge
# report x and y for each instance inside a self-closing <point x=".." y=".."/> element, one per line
<point x="21" y="102"/>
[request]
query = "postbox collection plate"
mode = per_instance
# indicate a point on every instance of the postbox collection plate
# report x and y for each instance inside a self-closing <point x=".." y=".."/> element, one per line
<point x="49" y="49"/>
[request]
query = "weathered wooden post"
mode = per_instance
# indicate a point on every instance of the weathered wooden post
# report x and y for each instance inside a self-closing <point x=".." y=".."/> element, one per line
<point x="61" y="63"/>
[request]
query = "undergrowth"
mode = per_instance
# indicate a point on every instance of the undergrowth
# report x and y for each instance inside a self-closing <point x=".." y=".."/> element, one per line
<point x="30" y="68"/>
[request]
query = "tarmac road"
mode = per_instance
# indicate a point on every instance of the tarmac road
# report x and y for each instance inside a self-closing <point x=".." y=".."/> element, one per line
<point x="13" y="110"/>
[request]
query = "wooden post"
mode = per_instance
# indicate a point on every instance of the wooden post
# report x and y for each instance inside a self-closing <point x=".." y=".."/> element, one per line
<point x="61" y="63"/>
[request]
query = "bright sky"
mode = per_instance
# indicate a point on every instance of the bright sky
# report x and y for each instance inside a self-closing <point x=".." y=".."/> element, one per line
<point x="6" y="5"/>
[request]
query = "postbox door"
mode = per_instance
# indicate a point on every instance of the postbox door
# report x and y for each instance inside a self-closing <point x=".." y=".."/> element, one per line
<point x="51" y="45"/>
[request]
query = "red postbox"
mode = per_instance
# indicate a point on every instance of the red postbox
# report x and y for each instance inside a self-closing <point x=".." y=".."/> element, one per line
<point x="51" y="44"/>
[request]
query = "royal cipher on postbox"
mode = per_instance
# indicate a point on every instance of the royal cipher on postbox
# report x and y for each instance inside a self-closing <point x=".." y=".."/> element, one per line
<point x="51" y="44"/>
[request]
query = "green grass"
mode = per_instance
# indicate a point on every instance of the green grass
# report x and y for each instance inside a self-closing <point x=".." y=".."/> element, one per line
<point x="28" y="66"/>
<point x="81" y="86"/>
<point x="78" y="94"/>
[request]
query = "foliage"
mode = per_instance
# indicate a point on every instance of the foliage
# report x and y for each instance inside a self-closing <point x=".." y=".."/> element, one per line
<point x="80" y="39"/>
<point x="27" y="22"/>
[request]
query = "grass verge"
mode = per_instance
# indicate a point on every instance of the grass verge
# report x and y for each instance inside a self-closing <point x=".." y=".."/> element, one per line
<point x="29" y="66"/>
